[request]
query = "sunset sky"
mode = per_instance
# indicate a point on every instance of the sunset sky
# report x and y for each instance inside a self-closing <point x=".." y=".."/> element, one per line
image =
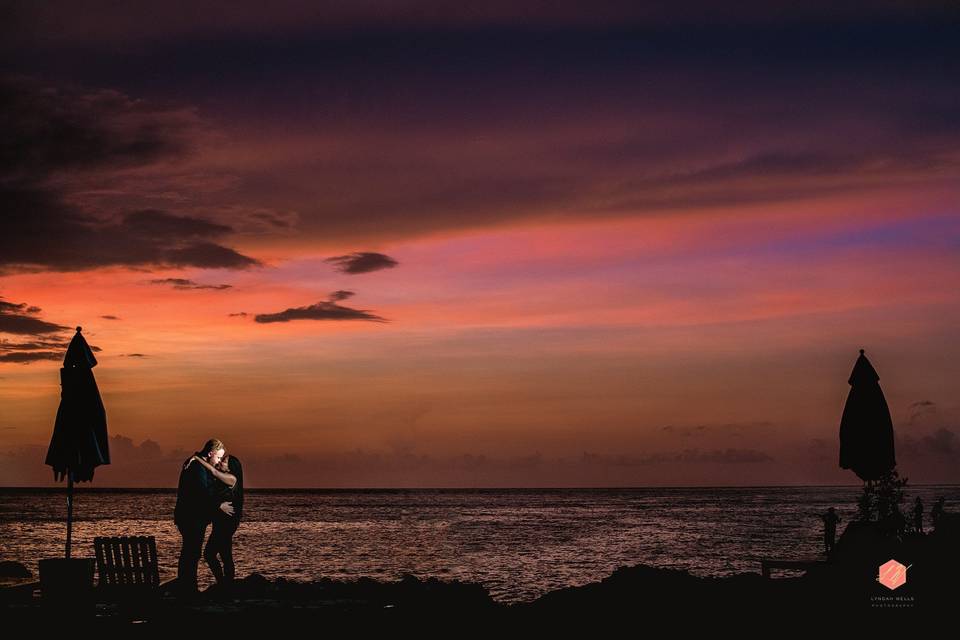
<point x="415" y="245"/>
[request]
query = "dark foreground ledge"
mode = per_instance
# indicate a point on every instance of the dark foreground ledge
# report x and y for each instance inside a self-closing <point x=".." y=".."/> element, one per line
<point x="846" y="585"/>
<point x="626" y="595"/>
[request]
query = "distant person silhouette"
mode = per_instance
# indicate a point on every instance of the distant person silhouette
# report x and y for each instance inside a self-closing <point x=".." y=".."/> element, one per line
<point x="918" y="515"/>
<point x="898" y="522"/>
<point x="937" y="511"/>
<point x="830" y="520"/>
<point x="197" y="499"/>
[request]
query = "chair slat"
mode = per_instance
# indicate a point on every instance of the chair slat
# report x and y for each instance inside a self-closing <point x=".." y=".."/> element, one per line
<point x="127" y="564"/>
<point x="101" y="562"/>
<point x="154" y="564"/>
<point x="136" y="568"/>
<point x="117" y="560"/>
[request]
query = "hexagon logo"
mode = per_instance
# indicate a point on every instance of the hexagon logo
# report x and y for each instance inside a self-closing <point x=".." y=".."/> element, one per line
<point x="892" y="574"/>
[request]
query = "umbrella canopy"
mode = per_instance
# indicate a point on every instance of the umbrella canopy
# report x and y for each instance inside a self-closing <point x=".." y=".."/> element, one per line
<point x="866" y="430"/>
<point x="79" y="443"/>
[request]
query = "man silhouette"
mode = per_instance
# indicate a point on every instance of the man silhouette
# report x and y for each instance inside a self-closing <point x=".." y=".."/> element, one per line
<point x="830" y="520"/>
<point x="197" y="500"/>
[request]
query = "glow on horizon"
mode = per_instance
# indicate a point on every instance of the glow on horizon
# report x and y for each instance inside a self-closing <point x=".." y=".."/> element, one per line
<point x="479" y="340"/>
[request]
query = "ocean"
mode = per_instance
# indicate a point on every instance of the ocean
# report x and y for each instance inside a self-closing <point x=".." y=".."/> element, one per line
<point x="519" y="543"/>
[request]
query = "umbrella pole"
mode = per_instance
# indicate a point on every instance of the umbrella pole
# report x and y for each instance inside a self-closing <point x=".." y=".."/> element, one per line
<point x="69" y="509"/>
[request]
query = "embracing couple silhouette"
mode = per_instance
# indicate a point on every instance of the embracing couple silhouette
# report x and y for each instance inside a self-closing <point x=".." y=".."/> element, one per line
<point x="210" y="491"/>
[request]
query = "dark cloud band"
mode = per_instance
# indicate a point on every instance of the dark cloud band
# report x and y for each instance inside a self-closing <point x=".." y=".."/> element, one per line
<point x="185" y="284"/>
<point x="362" y="262"/>
<point x="59" y="143"/>
<point x="325" y="310"/>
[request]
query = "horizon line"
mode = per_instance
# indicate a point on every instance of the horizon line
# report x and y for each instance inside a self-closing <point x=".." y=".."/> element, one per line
<point x="514" y="488"/>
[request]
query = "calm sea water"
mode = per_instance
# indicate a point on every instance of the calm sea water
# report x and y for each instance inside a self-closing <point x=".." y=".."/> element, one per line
<point x="519" y="543"/>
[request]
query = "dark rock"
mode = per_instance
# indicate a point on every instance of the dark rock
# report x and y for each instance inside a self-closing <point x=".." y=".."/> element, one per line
<point x="254" y="585"/>
<point x="11" y="569"/>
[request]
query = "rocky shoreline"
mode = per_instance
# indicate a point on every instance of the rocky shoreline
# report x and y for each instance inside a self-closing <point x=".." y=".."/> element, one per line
<point x="846" y="584"/>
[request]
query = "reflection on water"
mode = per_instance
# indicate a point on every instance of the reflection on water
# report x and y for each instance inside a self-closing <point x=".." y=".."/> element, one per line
<point x="518" y="543"/>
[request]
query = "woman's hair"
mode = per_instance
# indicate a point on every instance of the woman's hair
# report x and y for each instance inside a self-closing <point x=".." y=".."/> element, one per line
<point x="233" y="465"/>
<point x="211" y="445"/>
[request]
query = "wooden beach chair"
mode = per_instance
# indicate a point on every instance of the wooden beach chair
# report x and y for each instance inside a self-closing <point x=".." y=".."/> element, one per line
<point x="127" y="571"/>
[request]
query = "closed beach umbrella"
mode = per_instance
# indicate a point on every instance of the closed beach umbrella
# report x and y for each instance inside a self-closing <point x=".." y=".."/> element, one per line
<point x="79" y="443"/>
<point x="866" y="430"/>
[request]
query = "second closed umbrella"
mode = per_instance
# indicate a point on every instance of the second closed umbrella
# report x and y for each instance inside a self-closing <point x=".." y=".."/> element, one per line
<point x="866" y="430"/>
